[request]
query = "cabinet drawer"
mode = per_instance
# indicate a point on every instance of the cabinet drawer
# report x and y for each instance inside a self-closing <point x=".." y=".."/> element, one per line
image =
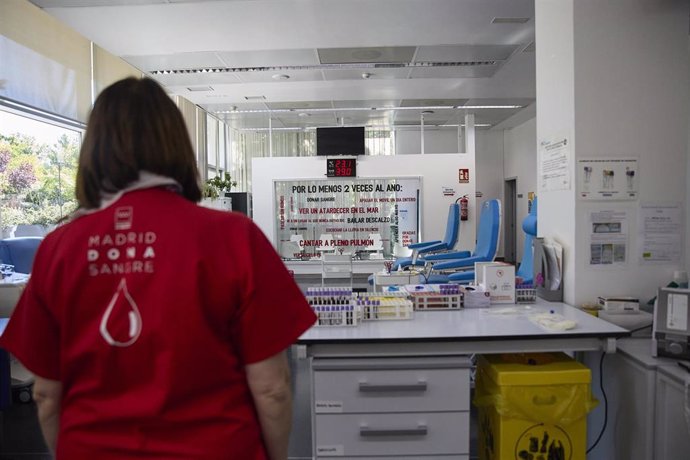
<point x="412" y="457"/>
<point x="387" y="388"/>
<point x="410" y="434"/>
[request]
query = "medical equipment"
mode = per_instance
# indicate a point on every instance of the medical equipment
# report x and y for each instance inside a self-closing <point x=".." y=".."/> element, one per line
<point x="671" y="330"/>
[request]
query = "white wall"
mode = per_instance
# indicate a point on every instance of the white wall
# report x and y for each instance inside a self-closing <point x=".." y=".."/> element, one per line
<point x="613" y="77"/>
<point x="409" y="141"/>
<point x="520" y="161"/>
<point x="489" y="159"/>
<point x="436" y="170"/>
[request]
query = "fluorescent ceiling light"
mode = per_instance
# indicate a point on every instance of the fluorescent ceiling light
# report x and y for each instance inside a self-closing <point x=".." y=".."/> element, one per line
<point x="344" y="66"/>
<point x="364" y="109"/>
<point x="312" y="128"/>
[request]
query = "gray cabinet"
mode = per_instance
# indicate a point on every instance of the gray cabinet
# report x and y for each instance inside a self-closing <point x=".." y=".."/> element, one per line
<point x="646" y="397"/>
<point x="672" y="428"/>
<point x="402" y="407"/>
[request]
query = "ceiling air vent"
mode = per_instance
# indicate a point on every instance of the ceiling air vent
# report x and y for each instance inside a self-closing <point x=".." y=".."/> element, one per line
<point x="255" y="98"/>
<point x="199" y="88"/>
<point x="509" y="20"/>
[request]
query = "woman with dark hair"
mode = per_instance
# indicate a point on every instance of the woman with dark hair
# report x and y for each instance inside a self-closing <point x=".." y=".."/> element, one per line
<point x="155" y="327"/>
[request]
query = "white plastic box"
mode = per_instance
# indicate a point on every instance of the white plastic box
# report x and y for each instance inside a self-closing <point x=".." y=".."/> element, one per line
<point x="498" y="279"/>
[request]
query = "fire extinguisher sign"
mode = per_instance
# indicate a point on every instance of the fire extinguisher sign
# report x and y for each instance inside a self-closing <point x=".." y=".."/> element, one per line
<point x="464" y="175"/>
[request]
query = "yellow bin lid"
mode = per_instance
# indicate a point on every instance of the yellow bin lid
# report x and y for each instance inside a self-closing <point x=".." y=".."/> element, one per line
<point x="533" y="369"/>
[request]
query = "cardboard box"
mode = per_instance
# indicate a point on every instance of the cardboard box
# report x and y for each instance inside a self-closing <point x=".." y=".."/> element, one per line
<point x="498" y="279"/>
<point x="475" y="297"/>
<point x="619" y="304"/>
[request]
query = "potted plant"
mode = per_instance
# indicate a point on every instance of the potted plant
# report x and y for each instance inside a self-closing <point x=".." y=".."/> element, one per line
<point x="219" y="185"/>
<point x="216" y="191"/>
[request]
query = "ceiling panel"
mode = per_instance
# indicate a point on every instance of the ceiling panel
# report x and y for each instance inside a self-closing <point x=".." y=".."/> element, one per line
<point x="366" y="103"/>
<point x="366" y="54"/>
<point x="524" y="101"/>
<point x="269" y="58"/>
<point x="188" y="34"/>
<point x="411" y="116"/>
<point x="464" y="53"/>
<point x="374" y="74"/>
<point x="273" y="76"/>
<point x="196" y="79"/>
<point x="480" y="71"/>
<point x="300" y="105"/>
<point x="197" y="60"/>
<point x="211" y="107"/>
<point x="83" y="3"/>
<point x="432" y="102"/>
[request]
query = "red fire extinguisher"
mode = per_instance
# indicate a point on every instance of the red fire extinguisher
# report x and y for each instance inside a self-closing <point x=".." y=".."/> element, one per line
<point x="464" y="204"/>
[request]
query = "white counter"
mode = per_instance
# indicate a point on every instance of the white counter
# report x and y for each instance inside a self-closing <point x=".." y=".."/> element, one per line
<point x="481" y="330"/>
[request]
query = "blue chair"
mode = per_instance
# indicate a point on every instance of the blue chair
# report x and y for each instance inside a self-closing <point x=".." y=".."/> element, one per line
<point x="525" y="270"/>
<point x="428" y="247"/>
<point x="529" y="226"/>
<point x="485" y="250"/>
<point x="20" y="252"/>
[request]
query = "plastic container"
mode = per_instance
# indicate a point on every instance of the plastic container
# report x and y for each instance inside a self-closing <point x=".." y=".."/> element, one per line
<point x="386" y="306"/>
<point x="680" y="277"/>
<point x="532" y="406"/>
<point x="435" y="296"/>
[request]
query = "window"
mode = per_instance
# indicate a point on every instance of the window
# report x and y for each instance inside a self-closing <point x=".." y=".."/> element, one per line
<point x="38" y="165"/>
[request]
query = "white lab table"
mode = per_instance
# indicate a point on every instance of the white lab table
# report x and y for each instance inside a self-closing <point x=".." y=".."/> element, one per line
<point x="394" y="387"/>
<point x="466" y="331"/>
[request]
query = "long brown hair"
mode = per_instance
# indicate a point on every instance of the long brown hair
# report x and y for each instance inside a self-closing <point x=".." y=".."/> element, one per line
<point x="134" y="126"/>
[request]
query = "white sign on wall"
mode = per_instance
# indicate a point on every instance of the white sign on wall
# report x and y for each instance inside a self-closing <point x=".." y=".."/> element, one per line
<point x="608" y="238"/>
<point x="660" y="233"/>
<point x="554" y="164"/>
<point x="607" y="179"/>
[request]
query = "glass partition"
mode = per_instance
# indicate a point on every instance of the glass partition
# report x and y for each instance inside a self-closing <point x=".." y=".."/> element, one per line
<point x="366" y="218"/>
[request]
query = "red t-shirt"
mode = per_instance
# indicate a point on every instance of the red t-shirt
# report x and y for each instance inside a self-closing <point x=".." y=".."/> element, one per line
<point x="147" y="311"/>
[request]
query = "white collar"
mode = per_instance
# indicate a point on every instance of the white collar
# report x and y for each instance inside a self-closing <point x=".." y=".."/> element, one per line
<point x="146" y="180"/>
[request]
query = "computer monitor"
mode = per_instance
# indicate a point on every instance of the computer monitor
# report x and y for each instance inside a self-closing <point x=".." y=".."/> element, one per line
<point x="340" y="141"/>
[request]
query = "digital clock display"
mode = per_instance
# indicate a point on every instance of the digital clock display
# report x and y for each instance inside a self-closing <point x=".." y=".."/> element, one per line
<point x="341" y="167"/>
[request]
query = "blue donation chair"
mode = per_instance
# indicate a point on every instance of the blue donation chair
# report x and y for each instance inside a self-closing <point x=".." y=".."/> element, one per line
<point x="529" y="226"/>
<point x="485" y="250"/>
<point x="20" y="252"/>
<point x="427" y="247"/>
<point x="525" y="270"/>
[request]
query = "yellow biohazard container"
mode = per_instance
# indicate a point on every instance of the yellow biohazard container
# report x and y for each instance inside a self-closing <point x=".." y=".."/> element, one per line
<point x="532" y="406"/>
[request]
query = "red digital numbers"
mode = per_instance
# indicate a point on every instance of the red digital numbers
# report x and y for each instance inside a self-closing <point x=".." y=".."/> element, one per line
<point x="341" y="168"/>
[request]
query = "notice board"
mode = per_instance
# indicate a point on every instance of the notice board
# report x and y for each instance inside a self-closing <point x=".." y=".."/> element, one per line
<point x="362" y="217"/>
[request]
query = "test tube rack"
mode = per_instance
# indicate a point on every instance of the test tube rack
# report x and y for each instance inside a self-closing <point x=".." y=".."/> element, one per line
<point x="388" y="306"/>
<point x="525" y="293"/>
<point x="435" y="296"/>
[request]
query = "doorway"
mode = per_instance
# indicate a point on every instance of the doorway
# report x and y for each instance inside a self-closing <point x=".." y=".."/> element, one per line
<point x="509" y="220"/>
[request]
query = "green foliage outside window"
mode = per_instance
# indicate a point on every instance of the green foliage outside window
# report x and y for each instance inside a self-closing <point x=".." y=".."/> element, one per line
<point x="36" y="180"/>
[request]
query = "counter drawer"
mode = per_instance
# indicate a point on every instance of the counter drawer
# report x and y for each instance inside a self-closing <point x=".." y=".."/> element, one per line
<point x="374" y="385"/>
<point x="413" y="457"/>
<point x="410" y="434"/>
